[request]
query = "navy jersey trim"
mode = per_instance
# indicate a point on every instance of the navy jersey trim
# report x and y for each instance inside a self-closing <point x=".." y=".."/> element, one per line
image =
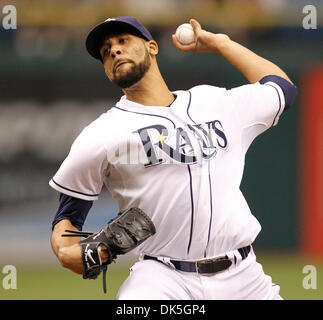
<point x="211" y="209"/>
<point x="192" y="209"/>
<point x="210" y="188"/>
<point x="84" y="194"/>
<point x="188" y="106"/>
<point x="191" y="186"/>
<point x="280" y="105"/>
<point x="147" y="114"/>
<point x="289" y="90"/>
<point x="73" y="209"/>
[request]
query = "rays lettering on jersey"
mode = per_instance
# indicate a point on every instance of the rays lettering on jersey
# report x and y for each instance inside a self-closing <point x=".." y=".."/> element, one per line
<point x="208" y="136"/>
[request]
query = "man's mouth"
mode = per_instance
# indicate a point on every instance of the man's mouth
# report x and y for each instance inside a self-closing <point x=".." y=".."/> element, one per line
<point x="120" y="63"/>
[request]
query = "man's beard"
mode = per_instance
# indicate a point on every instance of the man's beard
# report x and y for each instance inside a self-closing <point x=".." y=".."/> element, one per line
<point x="134" y="75"/>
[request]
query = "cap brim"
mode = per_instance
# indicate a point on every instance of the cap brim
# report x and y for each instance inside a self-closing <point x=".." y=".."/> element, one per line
<point x="95" y="37"/>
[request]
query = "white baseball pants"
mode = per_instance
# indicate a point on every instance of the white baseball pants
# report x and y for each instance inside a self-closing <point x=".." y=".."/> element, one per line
<point x="153" y="280"/>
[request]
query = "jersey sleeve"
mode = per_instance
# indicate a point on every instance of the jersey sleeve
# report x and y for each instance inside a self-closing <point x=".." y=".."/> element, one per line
<point x="73" y="209"/>
<point x="82" y="173"/>
<point x="258" y="104"/>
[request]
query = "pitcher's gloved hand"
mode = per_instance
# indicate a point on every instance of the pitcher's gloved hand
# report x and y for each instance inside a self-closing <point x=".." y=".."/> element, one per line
<point x="122" y="234"/>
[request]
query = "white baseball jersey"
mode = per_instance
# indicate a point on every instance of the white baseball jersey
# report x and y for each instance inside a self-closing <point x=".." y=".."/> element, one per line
<point x="181" y="164"/>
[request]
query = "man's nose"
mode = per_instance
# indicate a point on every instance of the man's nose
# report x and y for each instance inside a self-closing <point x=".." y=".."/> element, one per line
<point x="115" y="51"/>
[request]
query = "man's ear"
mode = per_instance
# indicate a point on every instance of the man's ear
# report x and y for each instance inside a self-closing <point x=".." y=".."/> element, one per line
<point x="152" y="47"/>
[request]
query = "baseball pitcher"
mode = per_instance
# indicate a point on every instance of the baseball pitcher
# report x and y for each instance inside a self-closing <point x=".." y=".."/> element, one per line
<point x="174" y="161"/>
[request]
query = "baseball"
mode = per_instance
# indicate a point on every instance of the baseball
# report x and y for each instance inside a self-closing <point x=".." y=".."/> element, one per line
<point x="185" y="34"/>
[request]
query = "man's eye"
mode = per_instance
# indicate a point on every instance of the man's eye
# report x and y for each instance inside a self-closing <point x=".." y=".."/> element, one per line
<point x="122" y="40"/>
<point x="105" y="51"/>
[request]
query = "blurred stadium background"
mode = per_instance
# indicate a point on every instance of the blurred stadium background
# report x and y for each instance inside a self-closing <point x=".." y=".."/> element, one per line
<point x="50" y="89"/>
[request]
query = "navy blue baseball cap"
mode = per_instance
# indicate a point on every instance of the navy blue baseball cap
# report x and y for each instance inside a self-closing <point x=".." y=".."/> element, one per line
<point x="114" y="25"/>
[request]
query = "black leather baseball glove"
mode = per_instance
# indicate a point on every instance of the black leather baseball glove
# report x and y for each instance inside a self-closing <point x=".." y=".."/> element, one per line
<point x="122" y="234"/>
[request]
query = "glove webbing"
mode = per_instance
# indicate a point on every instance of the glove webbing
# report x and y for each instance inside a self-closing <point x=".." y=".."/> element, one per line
<point x="74" y="233"/>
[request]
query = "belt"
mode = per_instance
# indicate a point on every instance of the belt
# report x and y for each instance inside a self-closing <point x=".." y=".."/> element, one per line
<point x="205" y="266"/>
